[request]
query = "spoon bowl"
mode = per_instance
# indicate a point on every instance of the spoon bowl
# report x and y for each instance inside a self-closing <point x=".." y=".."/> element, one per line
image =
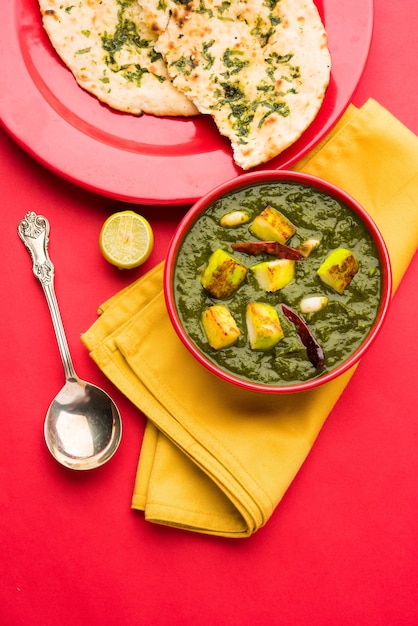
<point x="83" y="427"/>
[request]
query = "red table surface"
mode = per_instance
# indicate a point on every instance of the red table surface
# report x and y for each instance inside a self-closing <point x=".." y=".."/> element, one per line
<point x="341" y="548"/>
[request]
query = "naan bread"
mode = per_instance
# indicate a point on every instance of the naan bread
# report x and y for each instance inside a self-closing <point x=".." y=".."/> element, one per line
<point x="260" y="68"/>
<point x="111" y="53"/>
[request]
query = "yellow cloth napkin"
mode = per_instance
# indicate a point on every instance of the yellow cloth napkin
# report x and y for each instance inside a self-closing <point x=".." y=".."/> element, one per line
<point x="215" y="458"/>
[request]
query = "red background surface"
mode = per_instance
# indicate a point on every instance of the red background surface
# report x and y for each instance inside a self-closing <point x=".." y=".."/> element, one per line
<point x="341" y="548"/>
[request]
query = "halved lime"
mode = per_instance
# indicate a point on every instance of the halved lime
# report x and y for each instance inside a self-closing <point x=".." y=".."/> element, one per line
<point x="126" y="239"/>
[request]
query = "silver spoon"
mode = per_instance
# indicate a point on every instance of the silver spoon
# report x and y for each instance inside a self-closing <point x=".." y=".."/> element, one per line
<point x="82" y="426"/>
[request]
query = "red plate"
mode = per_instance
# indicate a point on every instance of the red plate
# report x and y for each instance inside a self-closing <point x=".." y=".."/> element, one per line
<point x="145" y="159"/>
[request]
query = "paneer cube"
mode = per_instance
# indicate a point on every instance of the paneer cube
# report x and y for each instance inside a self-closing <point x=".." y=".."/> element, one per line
<point x="338" y="269"/>
<point x="223" y="274"/>
<point x="274" y="275"/>
<point x="272" y="225"/>
<point x="220" y="327"/>
<point x="263" y="326"/>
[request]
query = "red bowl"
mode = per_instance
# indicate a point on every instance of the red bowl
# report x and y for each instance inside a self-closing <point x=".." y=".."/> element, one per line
<point x="247" y="180"/>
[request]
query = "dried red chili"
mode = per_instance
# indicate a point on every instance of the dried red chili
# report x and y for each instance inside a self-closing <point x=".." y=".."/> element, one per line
<point x="275" y="248"/>
<point x="315" y="352"/>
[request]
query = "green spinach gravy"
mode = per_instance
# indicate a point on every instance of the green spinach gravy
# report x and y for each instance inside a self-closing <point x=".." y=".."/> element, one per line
<point x="339" y="328"/>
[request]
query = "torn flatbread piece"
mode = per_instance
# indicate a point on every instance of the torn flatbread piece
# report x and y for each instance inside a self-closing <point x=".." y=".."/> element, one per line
<point x="110" y="52"/>
<point x="260" y="68"/>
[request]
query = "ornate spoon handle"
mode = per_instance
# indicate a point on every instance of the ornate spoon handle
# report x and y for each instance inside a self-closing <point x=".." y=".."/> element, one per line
<point x="34" y="232"/>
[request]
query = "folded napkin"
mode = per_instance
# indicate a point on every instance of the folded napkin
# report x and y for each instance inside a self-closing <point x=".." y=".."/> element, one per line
<point x="215" y="458"/>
